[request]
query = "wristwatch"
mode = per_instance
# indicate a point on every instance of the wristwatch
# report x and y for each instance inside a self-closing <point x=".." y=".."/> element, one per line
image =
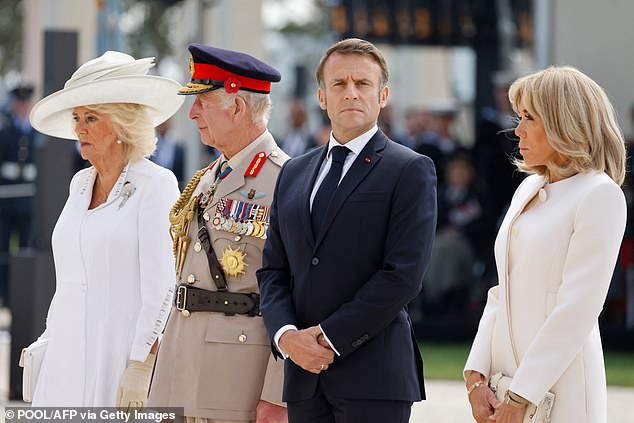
<point x="514" y="400"/>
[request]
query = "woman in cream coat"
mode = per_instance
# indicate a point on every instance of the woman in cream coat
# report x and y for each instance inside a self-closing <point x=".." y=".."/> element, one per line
<point x="113" y="257"/>
<point x="555" y="252"/>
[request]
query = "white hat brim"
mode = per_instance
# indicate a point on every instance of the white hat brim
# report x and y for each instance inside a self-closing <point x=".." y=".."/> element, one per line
<point x="53" y="115"/>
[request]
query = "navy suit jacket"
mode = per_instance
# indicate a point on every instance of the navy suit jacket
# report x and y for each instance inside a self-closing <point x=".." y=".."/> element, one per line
<point x="358" y="274"/>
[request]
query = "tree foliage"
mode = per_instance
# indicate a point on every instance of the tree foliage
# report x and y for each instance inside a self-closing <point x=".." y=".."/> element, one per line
<point x="10" y="35"/>
<point x="152" y="36"/>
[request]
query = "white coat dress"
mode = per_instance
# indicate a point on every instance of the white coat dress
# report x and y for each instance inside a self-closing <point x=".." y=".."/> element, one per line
<point x="555" y="262"/>
<point x="114" y="272"/>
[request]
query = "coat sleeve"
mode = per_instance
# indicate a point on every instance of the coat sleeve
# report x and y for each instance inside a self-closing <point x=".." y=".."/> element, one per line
<point x="156" y="261"/>
<point x="274" y="277"/>
<point x="480" y="355"/>
<point x="273" y="382"/>
<point x="598" y="228"/>
<point x="407" y="250"/>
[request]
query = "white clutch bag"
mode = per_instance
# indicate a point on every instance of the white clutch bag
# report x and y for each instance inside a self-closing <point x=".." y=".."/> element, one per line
<point x="31" y="362"/>
<point x="540" y="413"/>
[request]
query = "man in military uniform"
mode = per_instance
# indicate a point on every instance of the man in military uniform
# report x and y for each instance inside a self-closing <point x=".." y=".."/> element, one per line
<point x="17" y="177"/>
<point x="215" y="357"/>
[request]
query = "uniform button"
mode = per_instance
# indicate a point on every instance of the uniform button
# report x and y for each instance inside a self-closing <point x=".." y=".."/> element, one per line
<point x="315" y="261"/>
<point x="191" y="279"/>
<point x="237" y="238"/>
<point x="242" y="338"/>
<point x="197" y="247"/>
<point x="206" y="216"/>
<point x="185" y="313"/>
<point x="543" y="195"/>
<point x="274" y="153"/>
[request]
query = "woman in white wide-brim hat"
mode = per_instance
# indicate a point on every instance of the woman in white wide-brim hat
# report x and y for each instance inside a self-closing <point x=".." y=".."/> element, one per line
<point x="113" y="253"/>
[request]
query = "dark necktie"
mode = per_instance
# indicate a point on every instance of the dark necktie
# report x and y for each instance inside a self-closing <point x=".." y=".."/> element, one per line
<point x="222" y="170"/>
<point x="328" y="187"/>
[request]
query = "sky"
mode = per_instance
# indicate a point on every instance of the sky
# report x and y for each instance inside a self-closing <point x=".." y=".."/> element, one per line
<point x="277" y="13"/>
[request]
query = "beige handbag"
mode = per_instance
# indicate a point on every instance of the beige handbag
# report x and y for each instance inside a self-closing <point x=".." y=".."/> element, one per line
<point x="31" y="362"/>
<point x="539" y="413"/>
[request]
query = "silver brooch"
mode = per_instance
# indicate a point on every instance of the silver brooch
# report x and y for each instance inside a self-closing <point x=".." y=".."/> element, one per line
<point x="126" y="192"/>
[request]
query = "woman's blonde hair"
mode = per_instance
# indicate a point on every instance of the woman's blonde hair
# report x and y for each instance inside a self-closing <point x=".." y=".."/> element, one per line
<point x="133" y="126"/>
<point x="578" y="118"/>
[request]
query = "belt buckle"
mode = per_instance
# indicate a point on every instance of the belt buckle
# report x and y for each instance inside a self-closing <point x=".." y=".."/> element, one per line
<point x="181" y="293"/>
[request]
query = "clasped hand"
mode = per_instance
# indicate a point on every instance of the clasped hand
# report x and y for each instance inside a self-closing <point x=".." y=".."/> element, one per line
<point x="308" y="349"/>
<point x="486" y="408"/>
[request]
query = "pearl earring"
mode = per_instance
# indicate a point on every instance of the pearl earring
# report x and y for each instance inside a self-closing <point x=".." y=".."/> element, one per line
<point x="119" y="142"/>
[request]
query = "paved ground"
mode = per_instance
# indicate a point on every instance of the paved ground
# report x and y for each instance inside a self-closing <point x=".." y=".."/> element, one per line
<point x="447" y="403"/>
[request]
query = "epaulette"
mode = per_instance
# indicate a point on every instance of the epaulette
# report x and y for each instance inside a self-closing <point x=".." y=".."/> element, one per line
<point x="278" y="157"/>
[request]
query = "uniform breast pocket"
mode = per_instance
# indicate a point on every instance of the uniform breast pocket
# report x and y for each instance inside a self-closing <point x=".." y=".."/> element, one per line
<point x="245" y="340"/>
<point x="239" y="256"/>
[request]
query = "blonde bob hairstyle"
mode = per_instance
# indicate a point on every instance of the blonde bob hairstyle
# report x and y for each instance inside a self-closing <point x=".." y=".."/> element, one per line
<point x="132" y="125"/>
<point x="579" y="121"/>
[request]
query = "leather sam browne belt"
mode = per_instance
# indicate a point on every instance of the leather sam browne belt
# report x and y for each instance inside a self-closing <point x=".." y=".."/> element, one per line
<point x="189" y="298"/>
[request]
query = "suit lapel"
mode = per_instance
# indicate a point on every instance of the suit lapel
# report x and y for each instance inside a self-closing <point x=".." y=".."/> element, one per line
<point x="357" y="173"/>
<point x="304" y="199"/>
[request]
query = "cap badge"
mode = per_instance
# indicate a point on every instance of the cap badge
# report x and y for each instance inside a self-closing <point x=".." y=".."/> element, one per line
<point x="192" y="67"/>
<point x="232" y="85"/>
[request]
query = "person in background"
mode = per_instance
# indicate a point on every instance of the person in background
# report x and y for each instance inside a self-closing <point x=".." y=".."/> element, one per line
<point x="111" y="244"/>
<point x="299" y="139"/>
<point x="215" y="359"/>
<point x="415" y="125"/>
<point x="169" y="152"/>
<point x="17" y="178"/>
<point x="352" y="227"/>
<point x="555" y="253"/>
<point x="497" y="177"/>
<point x="437" y="140"/>
<point x="449" y="281"/>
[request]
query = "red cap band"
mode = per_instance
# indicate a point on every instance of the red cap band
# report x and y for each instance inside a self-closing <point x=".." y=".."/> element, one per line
<point x="233" y="81"/>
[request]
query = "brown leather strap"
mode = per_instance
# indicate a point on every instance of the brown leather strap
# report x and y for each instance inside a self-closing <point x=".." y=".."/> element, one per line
<point x="195" y="299"/>
<point x="215" y="269"/>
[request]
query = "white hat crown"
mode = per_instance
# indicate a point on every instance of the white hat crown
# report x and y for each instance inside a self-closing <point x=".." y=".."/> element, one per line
<point x="113" y="77"/>
<point x="109" y="65"/>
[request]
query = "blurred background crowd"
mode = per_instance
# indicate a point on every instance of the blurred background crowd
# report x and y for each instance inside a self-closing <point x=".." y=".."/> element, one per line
<point x="451" y="63"/>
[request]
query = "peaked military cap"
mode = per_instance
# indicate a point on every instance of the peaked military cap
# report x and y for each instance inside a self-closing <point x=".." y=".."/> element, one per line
<point x="22" y="92"/>
<point x="212" y="68"/>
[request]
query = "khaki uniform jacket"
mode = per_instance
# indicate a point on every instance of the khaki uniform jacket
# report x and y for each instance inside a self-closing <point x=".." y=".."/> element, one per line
<point x="213" y="365"/>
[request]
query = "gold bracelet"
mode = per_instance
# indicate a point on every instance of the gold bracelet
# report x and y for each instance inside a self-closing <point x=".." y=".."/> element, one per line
<point x="474" y="386"/>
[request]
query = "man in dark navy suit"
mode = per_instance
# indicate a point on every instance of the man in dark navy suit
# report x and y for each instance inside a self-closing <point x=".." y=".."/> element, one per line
<point x="351" y="230"/>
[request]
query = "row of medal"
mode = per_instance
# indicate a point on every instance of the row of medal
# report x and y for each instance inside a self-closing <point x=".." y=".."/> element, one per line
<point x="241" y="218"/>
